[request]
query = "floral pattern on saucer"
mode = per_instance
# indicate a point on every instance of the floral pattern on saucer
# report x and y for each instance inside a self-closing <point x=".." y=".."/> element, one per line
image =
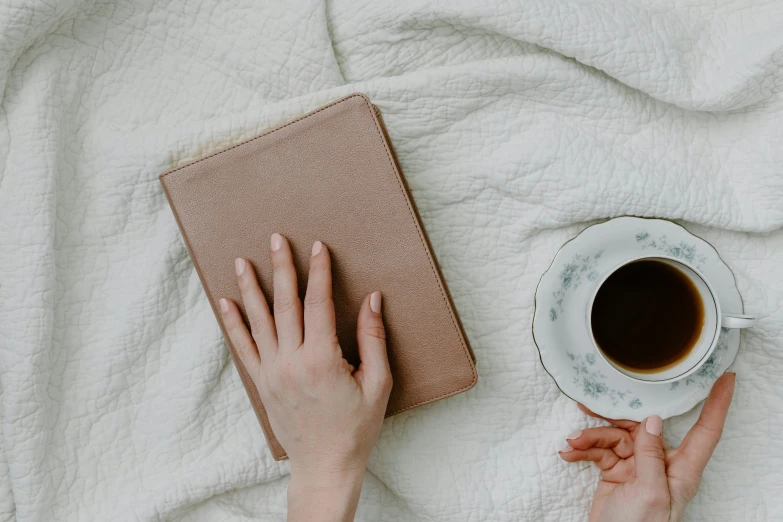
<point x="561" y="329"/>
<point x="571" y="277"/>
<point x="686" y="251"/>
<point x="593" y="382"/>
<point x="710" y="371"/>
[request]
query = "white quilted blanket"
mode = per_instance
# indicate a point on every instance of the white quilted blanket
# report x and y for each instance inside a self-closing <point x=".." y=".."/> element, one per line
<point x="516" y="124"/>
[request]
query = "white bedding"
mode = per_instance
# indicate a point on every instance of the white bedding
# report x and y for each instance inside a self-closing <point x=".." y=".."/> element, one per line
<point x="516" y="123"/>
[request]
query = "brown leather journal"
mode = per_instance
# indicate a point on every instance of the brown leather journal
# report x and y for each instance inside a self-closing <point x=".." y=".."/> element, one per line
<point x="330" y="175"/>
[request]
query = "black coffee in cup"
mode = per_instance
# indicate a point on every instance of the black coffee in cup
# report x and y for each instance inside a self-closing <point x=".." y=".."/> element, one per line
<point x="647" y="316"/>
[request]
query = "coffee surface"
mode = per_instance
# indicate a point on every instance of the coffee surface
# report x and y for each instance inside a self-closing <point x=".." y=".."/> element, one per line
<point x="647" y="316"/>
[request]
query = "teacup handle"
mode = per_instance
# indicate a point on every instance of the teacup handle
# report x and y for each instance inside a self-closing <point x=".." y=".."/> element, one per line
<point x="738" y="321"/>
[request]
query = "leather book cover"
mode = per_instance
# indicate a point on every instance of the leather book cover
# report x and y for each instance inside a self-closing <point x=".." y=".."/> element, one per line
<point x="332" y="176"/>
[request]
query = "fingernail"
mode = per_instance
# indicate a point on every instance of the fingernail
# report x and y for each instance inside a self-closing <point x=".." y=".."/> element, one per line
<point x="654" y="425"/>
<point x="375" y="302"/>
<point x="317" y="246"/>
<point x="574" y="435"/>
<point x="223" y="305"/>
<point x="277" y="242"/>
<point x="566" y="449"/>
<point x="239" y="265"/>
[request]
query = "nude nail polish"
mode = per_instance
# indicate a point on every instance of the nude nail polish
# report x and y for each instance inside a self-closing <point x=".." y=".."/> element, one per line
<point x="223" y="305"/>
<point x="574" y="435"/>
<point x="277" y="242"/>
<point x="566" y="449"/>
<point x="654" y="425"/>
<point x="317" y="246"/>
<point x="375" y="302"/>
<point x="239" y="265"/>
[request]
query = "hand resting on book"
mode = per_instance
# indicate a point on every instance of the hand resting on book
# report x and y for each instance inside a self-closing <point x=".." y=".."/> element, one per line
<point x="326" y="413"/>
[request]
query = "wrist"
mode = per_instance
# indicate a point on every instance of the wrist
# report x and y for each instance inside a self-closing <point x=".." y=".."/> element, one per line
<point x="328" y="494"/>
<point x="327" y="471"/>
<point x="315" y="479"/>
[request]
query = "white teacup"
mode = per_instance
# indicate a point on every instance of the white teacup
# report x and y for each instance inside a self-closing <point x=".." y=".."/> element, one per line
<point x="714" y="320"/>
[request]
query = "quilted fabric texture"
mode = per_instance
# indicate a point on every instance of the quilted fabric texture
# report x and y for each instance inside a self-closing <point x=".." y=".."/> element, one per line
<point x="516" y="123"/>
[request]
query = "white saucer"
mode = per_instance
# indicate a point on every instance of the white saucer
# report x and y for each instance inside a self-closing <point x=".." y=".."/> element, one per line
<point x="560" y="330"/>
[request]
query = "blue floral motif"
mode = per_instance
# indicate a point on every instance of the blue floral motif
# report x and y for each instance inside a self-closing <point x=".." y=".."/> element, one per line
<point x="709" y="372"/>
<point x="571" y="277"/>
<point x="593" y="382"/>
<point x="685" y="251"/>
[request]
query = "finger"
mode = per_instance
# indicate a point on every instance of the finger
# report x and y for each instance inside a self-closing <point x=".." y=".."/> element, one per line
<point x="702" y="439"/>
<point x="625" y="424"/>
<point x="615" y="439"/>
<point x="318" y="304"/>
<point x="373" y="372"/>
<point x="288" y="307"/>
<point x="621" y="472"/>
<point x="605" y="459"/>
<point x="650" y="455"/>
<point x="239" y="336"/>
<point x="262" y="326"/>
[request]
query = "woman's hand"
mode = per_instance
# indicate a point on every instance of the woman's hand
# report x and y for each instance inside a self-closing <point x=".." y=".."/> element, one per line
<point x="326" y="414"/>
<point x="641" y="479"/>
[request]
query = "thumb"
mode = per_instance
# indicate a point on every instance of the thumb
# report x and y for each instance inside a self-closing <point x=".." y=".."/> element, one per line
<point x="373" y="372"/>
<point x="650" y="456"/>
